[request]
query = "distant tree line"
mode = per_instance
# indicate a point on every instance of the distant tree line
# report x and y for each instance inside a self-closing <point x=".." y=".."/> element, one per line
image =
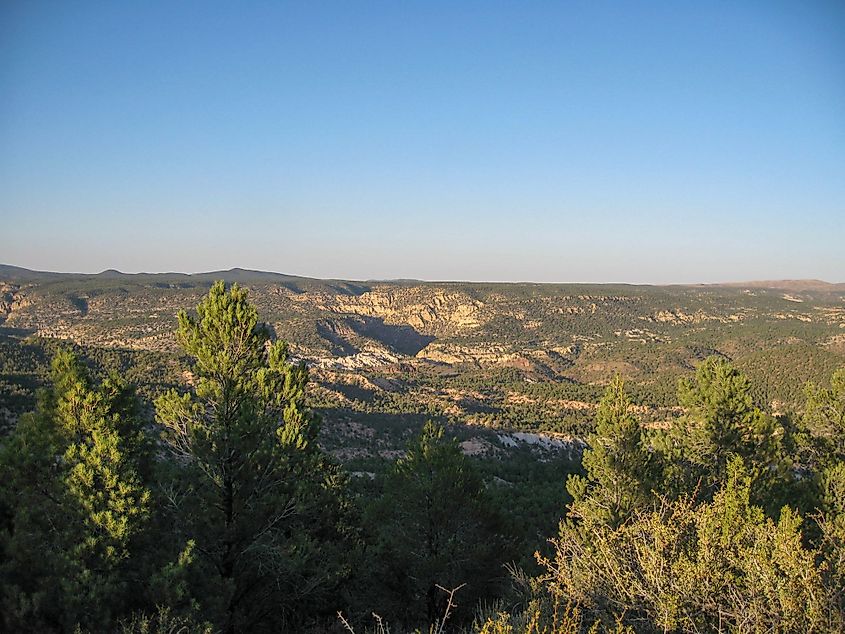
<point x="226" y="515"/>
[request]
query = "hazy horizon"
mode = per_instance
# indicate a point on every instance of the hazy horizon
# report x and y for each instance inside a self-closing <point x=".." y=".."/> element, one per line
<point x="586" y="142"/>
<point x="425" y="280"/>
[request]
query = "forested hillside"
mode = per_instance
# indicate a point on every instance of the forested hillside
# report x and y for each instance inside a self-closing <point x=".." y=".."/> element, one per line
<point x="286" y="454"/>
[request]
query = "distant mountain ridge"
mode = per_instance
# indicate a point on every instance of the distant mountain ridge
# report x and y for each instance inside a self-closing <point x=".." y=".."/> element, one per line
<point x="788" y="285"/>
<point x="17" y="274"/>
<point x="10" y="272"/>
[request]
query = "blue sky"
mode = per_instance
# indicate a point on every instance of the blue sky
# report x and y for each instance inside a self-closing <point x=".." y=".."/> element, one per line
<point x="584" y="142"/>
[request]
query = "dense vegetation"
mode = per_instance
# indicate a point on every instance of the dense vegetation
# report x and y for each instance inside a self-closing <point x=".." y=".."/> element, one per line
<point x="201" y="500"/>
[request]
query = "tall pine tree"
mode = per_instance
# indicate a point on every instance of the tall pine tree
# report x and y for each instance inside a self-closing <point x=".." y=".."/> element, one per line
<point x="722" y="422"/>
<point x="617" y="464"/>
<point x="435" y="526"/>
<point x="251" y="489"/>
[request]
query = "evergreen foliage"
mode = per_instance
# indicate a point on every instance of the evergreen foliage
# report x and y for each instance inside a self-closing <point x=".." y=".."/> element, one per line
<point x="435" y="526"/>
<point x="617" y="464"/>
<point x="249" y="486"/>
<point x="824" y="414"/>
<point x="722" y="421"/>
<point x="687" y="567"/>
<point x="75" y="499"/>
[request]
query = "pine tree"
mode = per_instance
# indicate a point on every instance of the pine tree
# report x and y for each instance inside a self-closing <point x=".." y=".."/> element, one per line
<point x="824" y="415"/>
<point x="251" y="488"/>
<point x="617" y="464"/>
<point x="831" y="522"/>
<point x="75" y="503"/>
<point x="721" y="422"/>
<point x="436" y="527"/>
<point x="824" y="418"/>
